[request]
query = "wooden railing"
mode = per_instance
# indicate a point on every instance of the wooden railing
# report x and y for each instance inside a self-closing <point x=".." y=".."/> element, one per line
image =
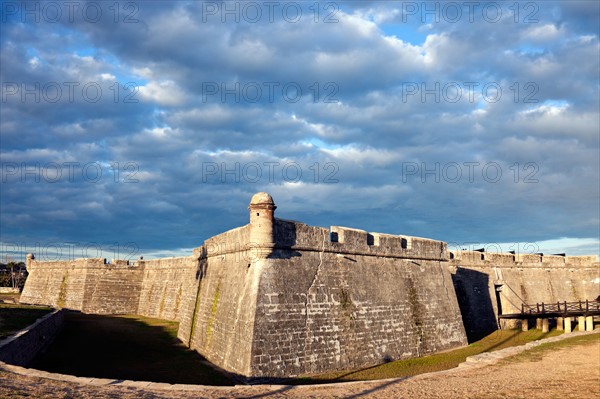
<point x="562" y="308"/>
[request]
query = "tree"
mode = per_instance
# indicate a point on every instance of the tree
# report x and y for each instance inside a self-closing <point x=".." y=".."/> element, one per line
<point x="13" y="274"/>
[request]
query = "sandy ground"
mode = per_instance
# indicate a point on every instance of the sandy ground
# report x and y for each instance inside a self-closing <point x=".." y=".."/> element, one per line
<point x="565" y="373"/>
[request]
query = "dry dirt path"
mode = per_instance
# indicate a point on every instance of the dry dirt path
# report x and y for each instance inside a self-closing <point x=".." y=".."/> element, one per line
<point x="572" y="372"/>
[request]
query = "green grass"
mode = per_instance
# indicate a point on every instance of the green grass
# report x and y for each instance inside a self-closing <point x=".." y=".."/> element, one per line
<point x="15" y="317"/>
<point x="126" y="348"/>
<point x="442" y="361"/>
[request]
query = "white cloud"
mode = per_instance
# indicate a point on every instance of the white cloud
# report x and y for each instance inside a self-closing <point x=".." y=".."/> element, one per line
<point x="546" y="109"/>
<point x="164" y="93"/>
<point x="34" y="62"/>
<point x="144" y="72"/>
<point x="587" y="38"/>
<point x="108" y="76"/>
<point x="541" y="33"/>
<point x="365" y="156"/>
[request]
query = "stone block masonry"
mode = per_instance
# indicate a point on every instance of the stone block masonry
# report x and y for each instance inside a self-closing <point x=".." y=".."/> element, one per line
<point x="22" y="347"/>
<point x="164" y="286"/>
<point x="351" y="302"/>
<point x="88" y="285"/>
<point x="153" y="288"/>
<point x="491" y="284"/>
<point x="277" y="298"/>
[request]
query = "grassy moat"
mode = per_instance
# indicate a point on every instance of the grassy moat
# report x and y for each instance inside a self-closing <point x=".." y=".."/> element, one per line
<point x="125" y="348"/>
<point x="146" y="349"/>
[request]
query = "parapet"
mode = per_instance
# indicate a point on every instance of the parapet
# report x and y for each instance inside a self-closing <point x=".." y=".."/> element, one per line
<point x="79" y="263"/>
<point x="344" y="240"/>
<point x="119" y="262"/>
<point x="484" y="259"/>
<point x="264" y="230"/>
<point x="581" y="260"/>
<point x="232" y="241"/>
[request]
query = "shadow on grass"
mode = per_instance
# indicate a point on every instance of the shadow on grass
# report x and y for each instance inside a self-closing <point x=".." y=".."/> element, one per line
<point x="16" y="317"/>
<point x="125" y="348"/>
<point x="520" y="338"/>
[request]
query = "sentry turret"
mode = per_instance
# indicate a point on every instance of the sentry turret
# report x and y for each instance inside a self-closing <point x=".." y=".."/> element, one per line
<point x="262" y="214"/>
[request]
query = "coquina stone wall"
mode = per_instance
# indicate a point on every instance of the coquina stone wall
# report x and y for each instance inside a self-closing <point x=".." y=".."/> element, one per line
<point x="340" y="298"/>
<point x="219" y="321"/>
<point x="491" y="284"/>
<point x="150" y="288"/>
<point x="165" y="286"/>
<point x="278" y="298"/>
<point x="22" y="347"/>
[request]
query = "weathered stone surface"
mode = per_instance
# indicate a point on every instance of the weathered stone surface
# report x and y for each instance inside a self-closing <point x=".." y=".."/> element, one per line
<point x="22" y="347"/>
<point x="489" y="284"/>
<point x="321" y="311"/>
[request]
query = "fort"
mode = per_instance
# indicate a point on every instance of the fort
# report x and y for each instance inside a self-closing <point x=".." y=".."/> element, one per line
<point x="279" y="298"/>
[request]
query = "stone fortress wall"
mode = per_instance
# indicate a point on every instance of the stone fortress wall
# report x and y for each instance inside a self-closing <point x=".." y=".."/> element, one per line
<point x="278" y="298"/>
<point x="341" y="298"/>
<point x="490" y="284"/>
<point x="151" y="288"/>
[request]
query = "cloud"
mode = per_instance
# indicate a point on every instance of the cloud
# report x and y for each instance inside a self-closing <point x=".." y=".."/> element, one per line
<point x="164" y="93"/>
<point x="384" y="120"/>
<point x="542" y="33"/>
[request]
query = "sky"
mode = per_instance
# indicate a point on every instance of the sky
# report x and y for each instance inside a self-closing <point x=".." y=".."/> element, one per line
<point x="142" y="128"/>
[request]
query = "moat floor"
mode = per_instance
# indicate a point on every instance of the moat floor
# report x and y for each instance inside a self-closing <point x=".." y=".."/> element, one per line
<point x="566" y="372"/>
<point x="127" y="347"/>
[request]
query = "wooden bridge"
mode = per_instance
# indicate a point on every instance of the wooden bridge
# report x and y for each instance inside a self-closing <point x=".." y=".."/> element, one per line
<point x="563" y="312"/>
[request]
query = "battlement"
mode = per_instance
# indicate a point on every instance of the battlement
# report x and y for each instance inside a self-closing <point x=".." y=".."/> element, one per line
<point x="344" y="240"/>
<point x="164" y="263"/>
<point x="80" y="263"/>
<point x="480" y="258"/>
<point x="93" y="263"/>
<point x="232" y="241"/>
